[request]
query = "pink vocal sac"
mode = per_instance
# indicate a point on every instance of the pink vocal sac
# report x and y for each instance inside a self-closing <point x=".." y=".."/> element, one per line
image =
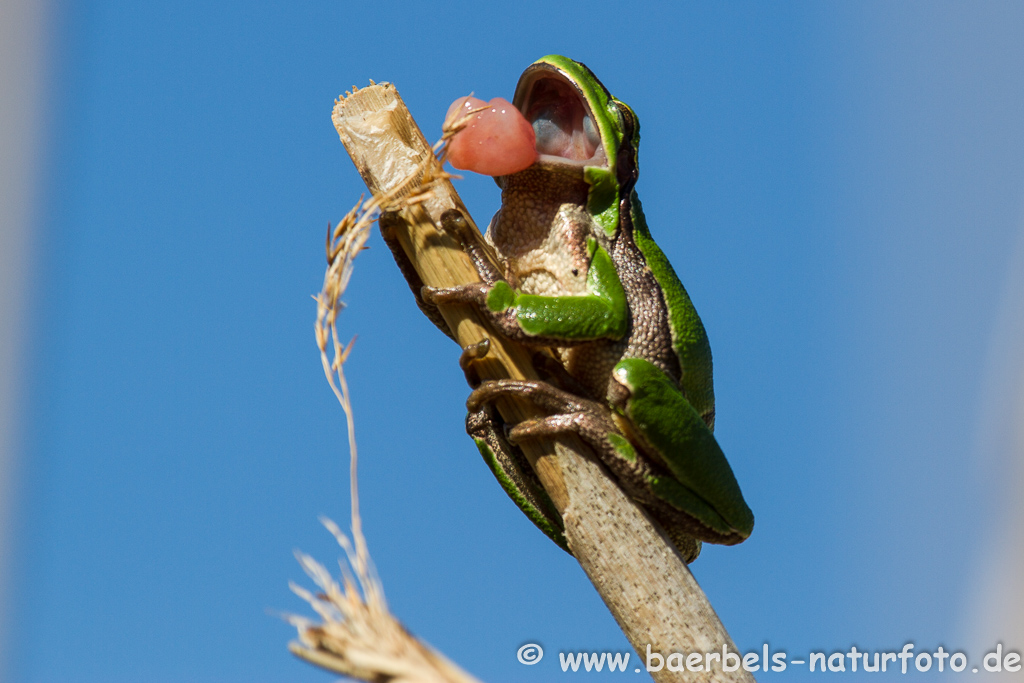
<point x="497" y="141"/>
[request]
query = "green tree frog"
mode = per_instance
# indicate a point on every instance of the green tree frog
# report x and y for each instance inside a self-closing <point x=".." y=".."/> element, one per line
<point x="582" y="276"/>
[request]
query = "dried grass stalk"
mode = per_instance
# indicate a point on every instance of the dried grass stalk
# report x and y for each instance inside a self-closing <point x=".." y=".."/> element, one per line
<point x="357" y="636"/>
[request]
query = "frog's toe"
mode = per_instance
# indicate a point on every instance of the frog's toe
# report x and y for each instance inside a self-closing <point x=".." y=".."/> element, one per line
<point x="471" y="354"/>
<point x="475" y="293"/>
<point x="545" y="396"/>
<point x="490" y="390"/>
<point x="454" y="223"/>
<point x="688" y="546"/>
<point x="552" y="425"/>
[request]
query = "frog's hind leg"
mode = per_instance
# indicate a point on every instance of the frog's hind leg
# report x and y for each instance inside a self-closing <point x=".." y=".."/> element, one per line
<point x="571" y="414"/>
<point x="592" y="422"/>
<point x="568" y="412"/>
<point x="634" y="473"/>
<point x="514" y="473"/>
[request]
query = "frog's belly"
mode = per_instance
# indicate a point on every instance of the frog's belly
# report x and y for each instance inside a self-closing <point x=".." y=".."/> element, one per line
<point x="548" y="275"/>
<point x="592" y="363"/>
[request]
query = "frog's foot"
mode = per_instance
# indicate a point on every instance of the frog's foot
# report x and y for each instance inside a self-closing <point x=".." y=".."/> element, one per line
<point x="454" y="223"/>
<point x="471" y="354"/>
<point x="591" y="427"/>
<point x="568" y="413"/>
<point x="545" y="396"/>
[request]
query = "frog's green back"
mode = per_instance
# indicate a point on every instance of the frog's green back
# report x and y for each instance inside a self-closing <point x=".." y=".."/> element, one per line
<point x="688" y="336"/>
<point x="618" y="126"/>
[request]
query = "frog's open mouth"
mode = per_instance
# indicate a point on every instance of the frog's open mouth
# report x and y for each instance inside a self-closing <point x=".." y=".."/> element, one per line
<point x="561" y="118"/>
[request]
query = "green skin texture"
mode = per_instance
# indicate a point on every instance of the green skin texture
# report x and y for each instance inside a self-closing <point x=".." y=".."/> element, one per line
<point x="670" y="421"/>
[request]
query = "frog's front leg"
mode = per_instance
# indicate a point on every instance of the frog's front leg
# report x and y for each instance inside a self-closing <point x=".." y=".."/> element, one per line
<point x="565" y="320"/>
<point x="493" y="300"/>
<point x="476" y="294"/>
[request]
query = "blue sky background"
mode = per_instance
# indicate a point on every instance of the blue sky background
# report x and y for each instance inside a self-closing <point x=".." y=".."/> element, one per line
<point x="839" y="188"/>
